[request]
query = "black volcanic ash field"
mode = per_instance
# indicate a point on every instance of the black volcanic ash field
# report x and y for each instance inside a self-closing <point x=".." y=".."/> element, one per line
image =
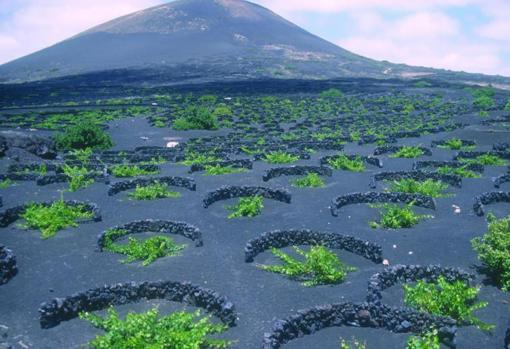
<point x="70" y="262"/>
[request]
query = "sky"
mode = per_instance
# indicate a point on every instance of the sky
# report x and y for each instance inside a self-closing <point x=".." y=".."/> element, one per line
<point x="467" y="35"/>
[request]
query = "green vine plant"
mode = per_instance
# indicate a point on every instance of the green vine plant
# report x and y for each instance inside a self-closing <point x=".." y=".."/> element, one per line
<point x="177" y="330"/>
<point x="280" y="157"/>
<point x="459" y="171"/>
<point x="429" y="187"/>
<point x="454" y="299"/>
<point x="342" y="162"/>
<point x="148" y="250"/>
<point x="428" y="340"/>
<point x="408" y="152"/>
<point x="6" y="183"/>
<point x="493" y="249"/>
<point x="352" y="344"/>
<point x="394" y="216"/>
<point x="82" y="155"/>
<point x="192" y="158"/>
<point x="57" y="216"/>
<point x="78" y="177"/>
<point x="320" y="266"/>
<point x="218" y="170"/>
<point x="249" y="206"/>
<point x="153" y="191"/>
<point x="42" y="170"/>
<point x="311" y="180"/>
<point x="456" y="144"/>
<point x="158" y="160"/>
<point x="486" y="160"/>
<point x="125" y="170"/>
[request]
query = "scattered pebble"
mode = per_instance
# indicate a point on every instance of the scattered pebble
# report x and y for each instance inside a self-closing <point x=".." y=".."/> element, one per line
<point x="410" y="252"/>
<point x="456" y="209"/>
<point x="386" y="262"/>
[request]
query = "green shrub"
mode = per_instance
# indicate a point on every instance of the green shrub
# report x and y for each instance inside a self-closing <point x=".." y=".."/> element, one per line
<point x="456" y="144"/>
<point x="83" y="135"/>
<point x="160" y="123"/>
<point x="311" y="180"/>
<point x="408" y="152"/>
<point x="507" y="106"/>
<point x="332" y="93"/>
<point x="153" y="191"/>
<point x="429" y="340"/>
<point x="428" y="187"/>
<point x="320" y="266"/>
<point x="280" y="157"/>
<point x="342" y="162"/>
<point x="78" y="177"/>
<point x="192" y="158"/>
<point x="394" y="216"/>
<point x="208" y="100"/>
<point x="147" y="250"/>
<point x="196" y="118"/>
<point x="422" y="84"/>
<point x="352" y="344"/>
<point x="483" y="98"/>
<point x="6" y="183"/>
<point x="250" y="206"/>
<point x="57" y="216"/>
<point x="483" y="102"/>
<point x="459" y="171"/>
<point x="486" y="160"/>
<point x="454" y="299"/>
<point x="126" y="170"/>
<point x="178" y="330"/>
<point x="493" y="249"/>
<point x="222" y="110"/>
<point x="218" y="170"/>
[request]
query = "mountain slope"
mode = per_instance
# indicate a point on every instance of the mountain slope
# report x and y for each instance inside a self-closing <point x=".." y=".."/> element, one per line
<point x="200" y="39"/>
<point x="192" y="32"/>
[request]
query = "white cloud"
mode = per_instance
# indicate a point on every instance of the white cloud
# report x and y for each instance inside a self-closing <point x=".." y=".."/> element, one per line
<point x="497" y="30"/>
<point x="425" y="25"/>
<point x="38" y="24"/>
<point x="430" y="39"/>
<point x="498" y="27"/>
<point x="328" y="6"/>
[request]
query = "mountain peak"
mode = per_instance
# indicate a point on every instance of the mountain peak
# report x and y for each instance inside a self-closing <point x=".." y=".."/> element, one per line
<point x="208" y="39"/>
<point x="185" y="15"/>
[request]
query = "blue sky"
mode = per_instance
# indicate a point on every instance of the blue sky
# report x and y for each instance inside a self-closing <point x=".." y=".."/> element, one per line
<point x="469" y="35"/>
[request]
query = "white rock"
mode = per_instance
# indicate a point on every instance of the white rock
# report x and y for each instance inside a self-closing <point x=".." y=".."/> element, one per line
<point x="172" y="144"/>
<point x="386" y="262"/>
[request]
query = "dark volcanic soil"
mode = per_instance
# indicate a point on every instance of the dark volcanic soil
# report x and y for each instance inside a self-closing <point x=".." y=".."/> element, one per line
<point x="69" y="262"/>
